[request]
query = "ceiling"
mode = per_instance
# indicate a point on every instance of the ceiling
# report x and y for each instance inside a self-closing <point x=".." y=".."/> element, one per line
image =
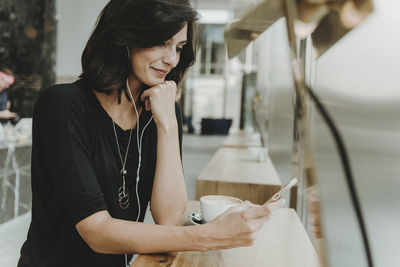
<point x="238" y="6"/>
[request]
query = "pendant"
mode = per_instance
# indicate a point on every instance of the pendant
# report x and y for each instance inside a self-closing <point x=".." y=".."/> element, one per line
<point x="123" y="197"/>
<point x="123" y="194"/>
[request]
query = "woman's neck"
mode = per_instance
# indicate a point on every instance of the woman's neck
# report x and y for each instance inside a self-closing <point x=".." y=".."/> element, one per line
<point x="134" y="86"/>
<point x="122" y="113"/>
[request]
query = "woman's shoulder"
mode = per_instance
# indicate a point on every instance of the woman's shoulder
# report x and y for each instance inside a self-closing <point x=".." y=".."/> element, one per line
<point x="63" y="92"/>
<point x="70" y="95"/>
<point x="63" y="100"/>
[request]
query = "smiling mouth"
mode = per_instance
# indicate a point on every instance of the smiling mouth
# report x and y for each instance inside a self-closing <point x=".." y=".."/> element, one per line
<point x="160" y="72"/>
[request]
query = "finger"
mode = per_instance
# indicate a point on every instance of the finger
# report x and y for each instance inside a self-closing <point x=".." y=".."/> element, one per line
<point x="243" y="206"/>
<point x="144" y="96"/>
<point x="147" y="103"/>
<point x="248" y="203"/>
<point x="236" y="208"/>
<point x="259" y="222"/>
<point x="255" y="212"/>
<point x="253" y="227"/>
<point x="262" y="210"/>
<point x="170" y="83"/>
<point x="275" y="204"/>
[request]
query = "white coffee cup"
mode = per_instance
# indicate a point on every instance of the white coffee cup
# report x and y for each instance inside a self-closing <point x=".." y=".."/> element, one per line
<point x="212" y="206"/>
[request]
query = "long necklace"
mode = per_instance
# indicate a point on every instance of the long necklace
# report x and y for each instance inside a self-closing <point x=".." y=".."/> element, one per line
<point x="123" y="193"/>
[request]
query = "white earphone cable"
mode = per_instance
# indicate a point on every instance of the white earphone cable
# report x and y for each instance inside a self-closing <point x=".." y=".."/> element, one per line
<point x="139" y="145"/>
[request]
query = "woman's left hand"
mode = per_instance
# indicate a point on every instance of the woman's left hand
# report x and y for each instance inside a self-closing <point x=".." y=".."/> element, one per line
<point x="161" y="100"/>
<point x="6" y="114"/>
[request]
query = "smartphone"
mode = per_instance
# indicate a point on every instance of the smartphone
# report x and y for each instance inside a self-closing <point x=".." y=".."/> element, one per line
<point x="278" y="194"/>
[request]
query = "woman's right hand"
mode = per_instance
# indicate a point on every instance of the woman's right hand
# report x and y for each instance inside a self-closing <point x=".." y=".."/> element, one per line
<point x="161" y="100"/>
<point x="238" y="226"/>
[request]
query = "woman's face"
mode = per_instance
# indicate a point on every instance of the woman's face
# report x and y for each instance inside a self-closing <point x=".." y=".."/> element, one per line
<point x="151" y="65"/>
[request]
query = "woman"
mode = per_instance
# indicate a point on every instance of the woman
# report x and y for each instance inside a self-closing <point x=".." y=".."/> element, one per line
<point x="6" y="80"/>
<point x="99" y="158"/>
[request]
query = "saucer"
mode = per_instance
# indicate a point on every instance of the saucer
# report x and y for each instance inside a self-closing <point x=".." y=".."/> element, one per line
<point x="196" y="218"/>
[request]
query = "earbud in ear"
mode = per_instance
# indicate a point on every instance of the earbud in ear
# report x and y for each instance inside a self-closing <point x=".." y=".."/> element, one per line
<point x="129" y="52"/>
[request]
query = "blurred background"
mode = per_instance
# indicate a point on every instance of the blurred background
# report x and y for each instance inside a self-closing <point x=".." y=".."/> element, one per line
<point x="41" y="42"/>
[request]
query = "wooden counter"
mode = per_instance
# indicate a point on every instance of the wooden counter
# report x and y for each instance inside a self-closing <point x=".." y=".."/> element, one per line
<point x="283" y="242"/>
<point x="242" y="139"/>
<point x="230" y="172"/>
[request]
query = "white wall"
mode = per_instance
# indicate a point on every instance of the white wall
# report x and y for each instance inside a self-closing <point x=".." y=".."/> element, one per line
<point x="371" y="54"/>
<point x="76" y="22"/>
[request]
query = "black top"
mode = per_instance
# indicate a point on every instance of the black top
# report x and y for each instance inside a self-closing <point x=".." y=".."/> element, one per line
<point x="3" y="100"/>
<point x="3" y="103"/>
<point x="76" y="172"/>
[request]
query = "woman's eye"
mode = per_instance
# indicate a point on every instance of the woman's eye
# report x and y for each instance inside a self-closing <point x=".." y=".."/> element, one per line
<point x="162" y="44"/>
<point x="179" y="49"/>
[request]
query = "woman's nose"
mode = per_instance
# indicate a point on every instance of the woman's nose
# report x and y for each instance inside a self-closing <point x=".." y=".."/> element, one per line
<point x="171" y="58"/>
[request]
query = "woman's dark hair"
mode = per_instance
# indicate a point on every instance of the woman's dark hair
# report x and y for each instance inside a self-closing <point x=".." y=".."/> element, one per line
<point x="135" y="24"/>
